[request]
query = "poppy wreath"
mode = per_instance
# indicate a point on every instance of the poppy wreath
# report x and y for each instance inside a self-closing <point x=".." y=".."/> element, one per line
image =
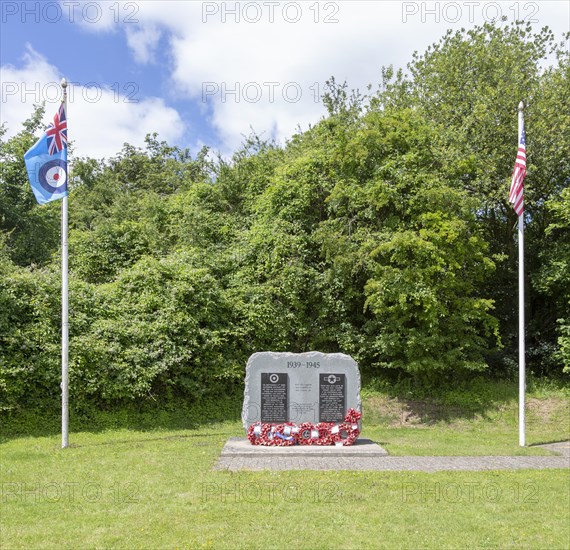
<point x="307" y="433"/>
<point x="275" y="435"/>
<point x="279" y="438"/>
<point x="325" y="435"/>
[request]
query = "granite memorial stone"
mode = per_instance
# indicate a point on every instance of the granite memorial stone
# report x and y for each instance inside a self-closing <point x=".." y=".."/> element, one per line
<point x="300" y="387"/>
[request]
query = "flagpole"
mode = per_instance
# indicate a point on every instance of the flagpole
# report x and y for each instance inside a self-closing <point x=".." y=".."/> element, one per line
<point x="522" y="384"/>
<point x="64" y="311"/>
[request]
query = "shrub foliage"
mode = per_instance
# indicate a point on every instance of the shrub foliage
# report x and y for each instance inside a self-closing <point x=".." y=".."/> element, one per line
<point x="383" y="231"/>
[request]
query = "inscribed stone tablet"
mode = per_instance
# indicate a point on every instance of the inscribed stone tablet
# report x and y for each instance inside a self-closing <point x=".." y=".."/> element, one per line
<point x="273" y="397"/>
<point x="332" y="397"/>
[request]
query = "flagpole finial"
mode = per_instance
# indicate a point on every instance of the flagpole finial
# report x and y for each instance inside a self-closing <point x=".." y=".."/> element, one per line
<point x="521" y="106"/>
<point x="63" y="83"/>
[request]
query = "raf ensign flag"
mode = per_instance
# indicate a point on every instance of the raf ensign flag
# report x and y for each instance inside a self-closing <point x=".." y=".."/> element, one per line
<point x="46" y="161"/>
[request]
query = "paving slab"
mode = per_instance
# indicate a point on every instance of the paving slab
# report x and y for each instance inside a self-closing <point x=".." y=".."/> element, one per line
<point x="235" y="457"/>
<point x="560" y="447"/>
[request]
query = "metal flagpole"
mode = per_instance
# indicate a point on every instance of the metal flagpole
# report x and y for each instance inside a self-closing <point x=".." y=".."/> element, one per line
<point x="522" y="384"/>
<point x="64" y="311"/>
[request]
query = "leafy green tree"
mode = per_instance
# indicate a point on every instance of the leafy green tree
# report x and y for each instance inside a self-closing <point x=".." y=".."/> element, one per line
<point x="553" y="281"/>
<point x="383" y="231"/>
<point x="30" y="321"/>
<point x="415" y="236"/>
<point x="159" y="329"/>
<point x="31" y="232"/>
<point x="468" y="87"/>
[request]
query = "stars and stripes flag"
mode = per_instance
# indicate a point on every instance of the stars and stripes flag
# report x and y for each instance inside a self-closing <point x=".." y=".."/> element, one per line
<point x="516" y="195"/>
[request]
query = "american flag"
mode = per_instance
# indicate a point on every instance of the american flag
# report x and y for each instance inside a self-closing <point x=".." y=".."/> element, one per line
<point x="516" y="197"/>
<point x="57" y="132"/>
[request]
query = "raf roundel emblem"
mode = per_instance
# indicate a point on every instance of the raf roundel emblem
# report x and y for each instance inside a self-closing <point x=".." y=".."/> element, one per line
<point x="53" y="176"/>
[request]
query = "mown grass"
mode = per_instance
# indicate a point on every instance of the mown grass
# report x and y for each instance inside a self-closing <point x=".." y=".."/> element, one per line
<point x="154" y="487"/>
<point x="430" y="427"/>
<point x="128" y="489"/>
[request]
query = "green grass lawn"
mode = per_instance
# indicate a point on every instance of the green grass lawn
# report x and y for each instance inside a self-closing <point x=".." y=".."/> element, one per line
<point x="155" y="488"/>
<point x="409" y="428"/>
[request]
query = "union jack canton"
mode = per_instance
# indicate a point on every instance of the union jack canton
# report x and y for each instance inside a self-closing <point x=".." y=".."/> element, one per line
<point x="57" y="132"/>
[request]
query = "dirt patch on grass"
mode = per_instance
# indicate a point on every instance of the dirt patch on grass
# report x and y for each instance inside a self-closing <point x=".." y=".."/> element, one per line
<point x="414" y="413"/>
<point x="419" y="413"/>
<point x="550" y="409"/>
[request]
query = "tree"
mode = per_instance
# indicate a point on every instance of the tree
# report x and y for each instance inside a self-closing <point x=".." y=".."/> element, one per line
<point x="383" y="231"/>
<point x="31" y="233"/>
<point x="552" y="282"/>
<point x="468" y="87"/>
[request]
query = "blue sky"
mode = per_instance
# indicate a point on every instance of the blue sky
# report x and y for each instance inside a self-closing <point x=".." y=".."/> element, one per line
<point x="207" y="72"/>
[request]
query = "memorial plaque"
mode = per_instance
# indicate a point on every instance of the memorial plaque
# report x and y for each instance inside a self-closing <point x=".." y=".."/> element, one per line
<point x="305" y="390"/>
<point x="274" y="404"/>
<point x="332" y="397"/>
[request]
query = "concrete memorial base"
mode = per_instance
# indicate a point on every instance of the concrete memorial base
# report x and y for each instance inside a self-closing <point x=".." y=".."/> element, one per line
<point x="241" y="447"/>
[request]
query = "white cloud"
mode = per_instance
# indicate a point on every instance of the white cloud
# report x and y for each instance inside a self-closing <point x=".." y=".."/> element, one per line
<point x="267" y="75"/>
<point x="100" y="127"/>
<point x="26" y="86"/>
<point x="96" y="16"/>
<point x="100" y="119"/>
<point x="213" y="48"/>
<point x="143" y="42"/>
<point x="263" y="66"/>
